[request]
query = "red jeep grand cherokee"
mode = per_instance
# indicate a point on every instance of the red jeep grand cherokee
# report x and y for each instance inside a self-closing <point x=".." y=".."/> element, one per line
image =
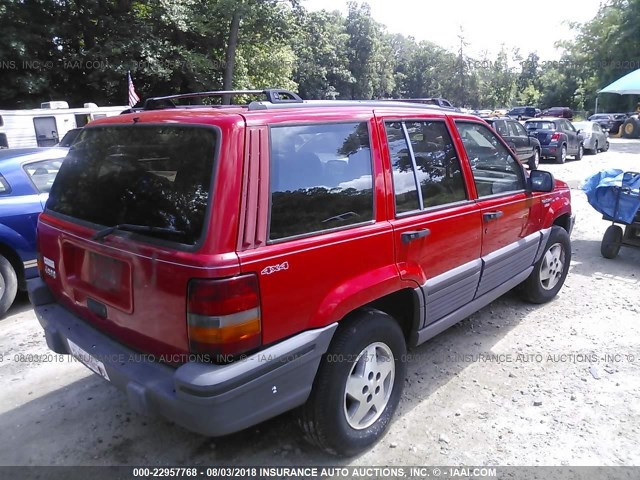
<point x="223" y="265"/>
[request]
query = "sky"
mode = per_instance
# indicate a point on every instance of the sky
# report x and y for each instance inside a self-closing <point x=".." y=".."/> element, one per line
<point x="531" y="25"/>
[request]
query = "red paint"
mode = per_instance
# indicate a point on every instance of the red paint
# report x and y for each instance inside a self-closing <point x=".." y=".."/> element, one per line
<point x="326" y="276"/>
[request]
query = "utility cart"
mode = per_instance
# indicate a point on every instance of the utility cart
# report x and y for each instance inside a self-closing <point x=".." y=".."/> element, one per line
<point x="627" y="198"/>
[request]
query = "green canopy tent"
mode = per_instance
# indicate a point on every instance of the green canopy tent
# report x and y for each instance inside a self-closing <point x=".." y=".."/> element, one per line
<point x="627" y="85"/>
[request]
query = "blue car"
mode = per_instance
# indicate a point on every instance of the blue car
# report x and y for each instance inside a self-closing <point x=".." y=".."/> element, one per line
<point x="25" y="180"/>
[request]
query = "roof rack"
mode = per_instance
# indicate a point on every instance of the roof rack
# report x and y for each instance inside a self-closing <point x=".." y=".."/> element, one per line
<point x="274" y="96"/>
<point x="347" y="103"/>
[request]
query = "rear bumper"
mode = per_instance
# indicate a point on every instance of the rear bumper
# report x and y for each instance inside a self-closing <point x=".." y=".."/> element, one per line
<point x="209" y="399"/>
<point x="549" y="150"/>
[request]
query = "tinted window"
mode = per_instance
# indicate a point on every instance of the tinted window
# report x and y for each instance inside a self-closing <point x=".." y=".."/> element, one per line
<point x="139" y="175"/>
<point x="404" y="180"/>
<point x="43" y="173"/>
<point x="495" y="171"/>
<point x="429" y="158"/>
<point x="540" y="125"/>
<point x="3" y="141"/>
<point x="501" y="127"/>
<point x="516" y="130"/>
<point x="320" y="178"/>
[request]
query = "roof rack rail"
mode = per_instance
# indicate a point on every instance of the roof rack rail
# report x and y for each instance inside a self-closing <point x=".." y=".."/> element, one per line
<point x="274" y="96"/>
<point x="347" y="103"/>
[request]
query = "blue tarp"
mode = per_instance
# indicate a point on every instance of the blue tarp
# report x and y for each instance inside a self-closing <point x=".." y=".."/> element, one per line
<point x="602" y="192"/>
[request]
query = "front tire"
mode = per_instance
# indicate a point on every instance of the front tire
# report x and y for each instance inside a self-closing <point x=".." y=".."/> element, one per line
<point x="358" y="385"/>
<point x="580" y="153"/>
<point x="550" y="272"/>
<point x="8" y="285"/>
<point x="606" y="146"/>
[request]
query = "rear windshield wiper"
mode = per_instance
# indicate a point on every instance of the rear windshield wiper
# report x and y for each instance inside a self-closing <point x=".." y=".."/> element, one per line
<point x="130" y="227"/>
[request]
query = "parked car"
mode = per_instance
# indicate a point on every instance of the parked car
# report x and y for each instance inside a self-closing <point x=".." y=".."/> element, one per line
<point x="559" y="112"/>
<point x="25" y="181"/>
<point x="526" y="146"/>
<point x="523" y="113"/>
<point x="69" y="137"/>
<point x="290" y="259"/>
<point x="610" y="122"/>
<point x="558" y="138"/>
<point x="594" y="138"/>
<point x="439" y="102"/>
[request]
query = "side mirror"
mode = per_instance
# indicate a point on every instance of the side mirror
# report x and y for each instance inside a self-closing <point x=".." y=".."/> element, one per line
<point x="579" y="131"/>
<point x="541" y="181"/>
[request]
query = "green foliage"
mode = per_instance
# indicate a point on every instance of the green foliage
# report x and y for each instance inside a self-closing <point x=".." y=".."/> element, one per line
<point x="81" y="51"/>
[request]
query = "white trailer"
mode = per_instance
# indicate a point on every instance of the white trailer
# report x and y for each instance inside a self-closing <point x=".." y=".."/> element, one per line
<point x="45" y="126"/>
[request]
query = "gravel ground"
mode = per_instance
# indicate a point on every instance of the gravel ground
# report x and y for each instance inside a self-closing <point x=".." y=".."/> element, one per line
<point x="514" y="384"/>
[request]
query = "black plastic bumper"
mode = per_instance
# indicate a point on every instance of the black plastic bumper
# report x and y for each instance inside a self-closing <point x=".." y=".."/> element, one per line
<point x="209" y="399"/>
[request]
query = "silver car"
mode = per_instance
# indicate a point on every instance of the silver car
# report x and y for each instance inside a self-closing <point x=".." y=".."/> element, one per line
<point x="594" y="138"/>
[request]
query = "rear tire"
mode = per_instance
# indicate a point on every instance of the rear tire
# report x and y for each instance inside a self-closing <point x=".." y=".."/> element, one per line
<point x="535" y="160"/>
<point x="611" y="241"/>
<point x="550" y="272"/>
<point x="8" y="285"/>
<point x="606" y="146"/>
<point x="358" y="385"/>
<point x="561" y="155"/>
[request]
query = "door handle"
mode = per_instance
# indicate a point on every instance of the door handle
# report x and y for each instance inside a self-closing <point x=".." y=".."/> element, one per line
<point x="492" y="215"/>
<point x="413" y="235"/>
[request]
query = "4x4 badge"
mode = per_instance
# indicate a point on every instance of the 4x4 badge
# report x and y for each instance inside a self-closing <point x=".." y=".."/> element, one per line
<point x="274" y="268"/>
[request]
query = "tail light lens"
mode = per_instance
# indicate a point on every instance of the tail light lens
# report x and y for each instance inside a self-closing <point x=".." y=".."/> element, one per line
<point x="223" y="316"/>
<point x="555" y="137"/>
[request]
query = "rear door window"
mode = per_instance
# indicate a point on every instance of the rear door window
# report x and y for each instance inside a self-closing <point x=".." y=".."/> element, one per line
<point x="144" y="175"/>
<point x="426" y="169"/>
<point x="321" y="178"/>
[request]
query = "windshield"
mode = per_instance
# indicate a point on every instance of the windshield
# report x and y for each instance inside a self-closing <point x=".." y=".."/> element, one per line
<point x="140" y="175"/>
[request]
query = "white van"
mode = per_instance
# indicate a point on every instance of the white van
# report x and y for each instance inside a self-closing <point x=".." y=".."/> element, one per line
<point x="45" y="126"/>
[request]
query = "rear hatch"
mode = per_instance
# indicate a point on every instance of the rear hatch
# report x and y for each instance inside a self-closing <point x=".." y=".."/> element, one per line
<point x="124" y="224"/>
<point x="543" y="130"/>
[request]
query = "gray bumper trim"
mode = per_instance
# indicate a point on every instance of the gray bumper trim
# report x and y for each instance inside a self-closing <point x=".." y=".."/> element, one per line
<point x="209" y="399"/>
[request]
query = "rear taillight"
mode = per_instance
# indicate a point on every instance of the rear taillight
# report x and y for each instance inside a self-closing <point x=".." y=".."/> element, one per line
<point x="223" y="316"/>
<point x="555" y="137"/>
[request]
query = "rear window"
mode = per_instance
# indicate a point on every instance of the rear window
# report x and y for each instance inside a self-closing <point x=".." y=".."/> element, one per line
<point x="43" y="174"/>
<point x="4" y="186"/>
<point x="540" y="125"/>
<point x="149" y="176"/>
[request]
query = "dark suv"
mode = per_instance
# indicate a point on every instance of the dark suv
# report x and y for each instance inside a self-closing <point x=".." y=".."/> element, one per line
<point x="523" y="113"/>
<point x="222" y="265"/>
<point x="558" y="138"/>
<point x="559" y="112"/>
<point x="525" y="145"/>
<point x="610" y="122"/>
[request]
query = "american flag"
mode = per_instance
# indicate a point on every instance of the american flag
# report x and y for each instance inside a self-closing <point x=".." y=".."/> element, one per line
<point x="133" y="96"/>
